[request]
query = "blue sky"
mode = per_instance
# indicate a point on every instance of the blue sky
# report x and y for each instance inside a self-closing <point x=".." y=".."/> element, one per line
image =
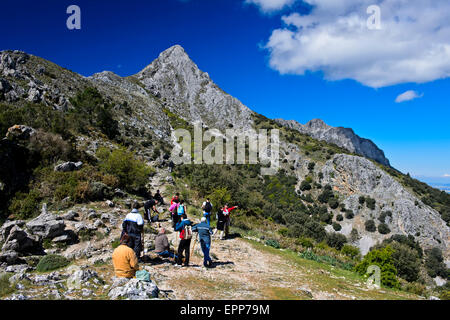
<point x="236" y="44"/>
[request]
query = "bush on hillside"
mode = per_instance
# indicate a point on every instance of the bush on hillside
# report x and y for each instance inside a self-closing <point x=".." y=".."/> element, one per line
<point x="336" y="226"/>
<point x="350" y="251"/>
<point x="132" y="173"/>
<point x="51" y="262"/>
<point x="434" y="263"/>
<point x="406" y="261"/>
<point x="383" y="259"/>
<point x="383" y="228"/>
<point x="336" y="240"/>
<point x="370" y="226"/>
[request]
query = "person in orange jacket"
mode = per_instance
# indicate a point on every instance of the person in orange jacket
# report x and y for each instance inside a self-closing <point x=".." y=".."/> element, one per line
<point x="124" y="259"/>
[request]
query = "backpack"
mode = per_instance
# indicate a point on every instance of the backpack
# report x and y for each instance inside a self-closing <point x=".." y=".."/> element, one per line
<point x="219" y="215"/>
<point x="143" y="275"/>
<point x="186" y="233"/>
<point x="208" y="207"/>
<point x="181" y="210"/>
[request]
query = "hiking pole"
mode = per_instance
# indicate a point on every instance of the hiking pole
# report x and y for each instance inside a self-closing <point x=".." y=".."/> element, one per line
<point x="143" y="242"/>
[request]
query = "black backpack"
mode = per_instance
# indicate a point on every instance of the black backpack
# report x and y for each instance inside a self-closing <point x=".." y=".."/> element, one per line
<point x="208" y="207"/>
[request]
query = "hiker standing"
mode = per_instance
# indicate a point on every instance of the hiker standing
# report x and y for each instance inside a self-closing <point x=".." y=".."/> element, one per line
<point x="162" y="246"/>
<point x="204" y="233"/>
<point x="159" y="197"/>
<point x="171" y="166"/>
<point x="207" y="208"/>
<point x="124" y="259"/>
<point x="182" y="209"/>
<point x="220" y="222"/>
<point x="185" y="229"/>
<point x="149" y="206"/>
<point x="226" y="213"/>
<point x="133" y="225"/>
<point x="174" y="203"/>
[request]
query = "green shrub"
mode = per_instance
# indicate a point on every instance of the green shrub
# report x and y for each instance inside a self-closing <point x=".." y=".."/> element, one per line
<point x="305" y="185"/>
<point x="132" y="173"/>
<point x="6" y="287"/>
<point x="51" y="262"/>
<point x="349" y="214"/>
<point x="362" y="199"/>
<point x="350" y="251"/>
<point x="333" y="203"/>
<point x="383" y="259"/>
<point x="336" y="240"/>
<point x="434" y="263"/>
<point x="339" y="217"/>
<point x="406" y="261"/>
<point x="383" y="215"/>
<point x="272" y="243"/>
<point x="283" y="231"/>
<point x="370" y="203"/>
<point x="370" y="226"/>
<point x="336" y="226"/>
<point x="383" y="228"/>
<point x="305" y="242"/>
<point x="25" y="205"/>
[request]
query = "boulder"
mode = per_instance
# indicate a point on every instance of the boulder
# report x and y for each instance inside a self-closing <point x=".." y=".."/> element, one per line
<point x="18" y="240"/>
<point x="70" y="215"/>
<point x="9" y="257"/>
<point x="20" y="132"/>
<point x="68" y="237"/>
<point x="7" y="226"/>
<point x="68" y="166"/>
<point x="133" y="289"/>
<point x="47" y="226"/>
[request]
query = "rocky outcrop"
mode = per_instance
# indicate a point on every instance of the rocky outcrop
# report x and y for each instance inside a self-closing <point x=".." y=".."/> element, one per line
<point x="69" y="166"/>
<point x="342" y="137"/>
<point x="46" y="225"/>
<point x="133" y="289"/>
<point x="353" y="176"/>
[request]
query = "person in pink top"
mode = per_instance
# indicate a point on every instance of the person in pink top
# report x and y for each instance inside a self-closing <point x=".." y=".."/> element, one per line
<point x="227" y="212"/>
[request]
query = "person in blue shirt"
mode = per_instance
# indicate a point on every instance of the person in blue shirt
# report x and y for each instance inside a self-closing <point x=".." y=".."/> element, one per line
<point x="207" y="208"/>
<point x="185" y="240"/>
<point x="204" y="233"/>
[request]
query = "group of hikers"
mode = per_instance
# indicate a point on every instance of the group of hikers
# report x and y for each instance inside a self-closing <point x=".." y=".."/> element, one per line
<point x="127" y="255"/>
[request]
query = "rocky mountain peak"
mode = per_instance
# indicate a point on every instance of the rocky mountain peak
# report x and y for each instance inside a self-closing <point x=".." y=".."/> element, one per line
<point x="343" y="137"/>
<point x="317" y="124"/>
<point x="189" y="92"/>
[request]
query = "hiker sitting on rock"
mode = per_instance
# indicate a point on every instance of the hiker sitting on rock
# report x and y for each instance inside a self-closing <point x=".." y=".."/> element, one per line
<point x="204" y="233"/>
<point x="133" y="225"/>
<point x="185" y="229"/>
<point x="162" y="246"/>
<point x="124" y="259"/>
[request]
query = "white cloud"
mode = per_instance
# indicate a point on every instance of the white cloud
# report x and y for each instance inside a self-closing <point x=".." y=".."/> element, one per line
<point x="408" y="96"/>
<point x="413" y="44"/>
<point x="446" y="175"/>
<point x="271" y="5"/>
